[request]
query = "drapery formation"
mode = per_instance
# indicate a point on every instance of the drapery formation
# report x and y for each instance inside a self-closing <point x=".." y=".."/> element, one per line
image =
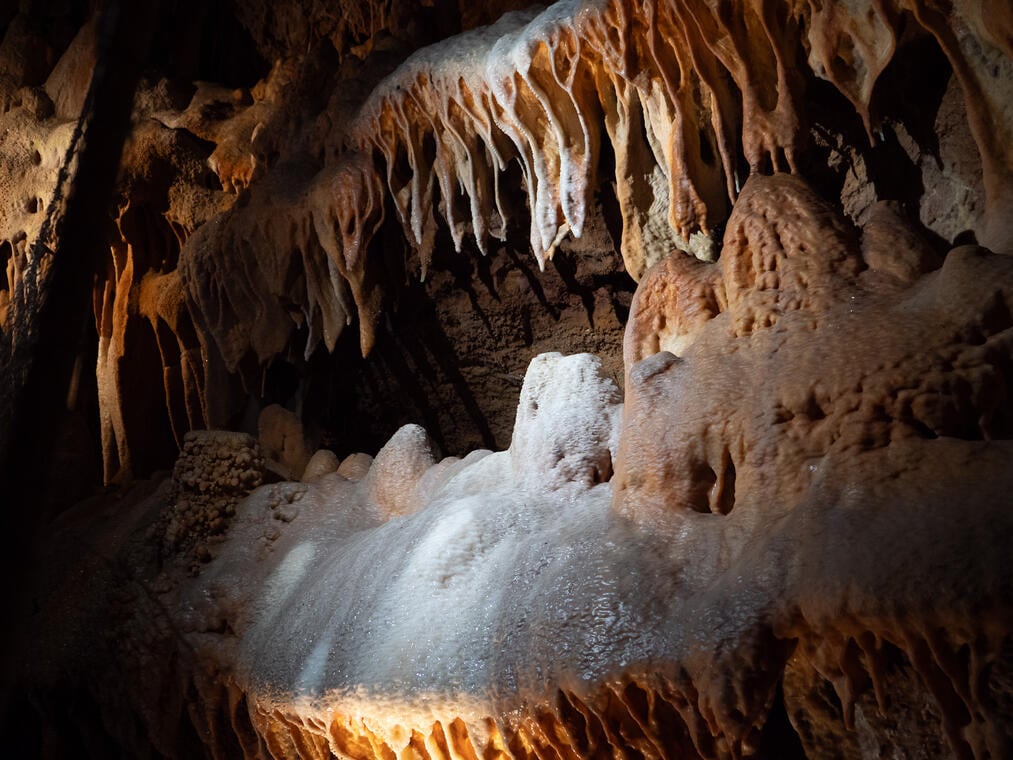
<point x="501" y="125"/>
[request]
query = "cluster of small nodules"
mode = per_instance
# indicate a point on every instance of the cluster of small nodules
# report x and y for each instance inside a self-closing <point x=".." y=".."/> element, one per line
<point x="214" y="471"/>
<point x="283" y="501"/>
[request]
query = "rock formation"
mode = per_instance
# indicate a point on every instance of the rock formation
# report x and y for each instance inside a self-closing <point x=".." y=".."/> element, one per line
<point x="770" y="519"/>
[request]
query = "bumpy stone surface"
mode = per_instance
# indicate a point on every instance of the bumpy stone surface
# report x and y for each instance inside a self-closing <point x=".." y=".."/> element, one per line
<point x="251" y="218"/>
<point x="215" y="470"/>
<point x="567" y="423"/>
<point x="802" y="550"/>
<point x="323" y="462"/>
<point x="394" y="474"/>
<point x="877" y="362"/>
<point x="676" y="297"/>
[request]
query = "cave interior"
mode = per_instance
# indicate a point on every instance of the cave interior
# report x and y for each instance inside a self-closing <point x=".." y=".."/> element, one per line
<point x="447" y="380"/>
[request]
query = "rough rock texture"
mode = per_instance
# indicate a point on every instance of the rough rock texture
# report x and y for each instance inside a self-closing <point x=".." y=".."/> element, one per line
<point x="454" y="349"/>
<point x="257" y="218"/>
<point x="566" y="422"/>
<point x="812" y="564"/>
<point x="394" y="474"/>
<point x="323" y="462"/>
<point x="772" y="520"/>
<point x="215" y="470"/>
<point x="281" y="436"/>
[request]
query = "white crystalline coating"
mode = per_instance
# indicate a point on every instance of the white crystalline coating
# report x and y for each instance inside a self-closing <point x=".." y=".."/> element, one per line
<point x="751" y="529"/>
<point x="516" y="90"/>
<point x="487" y="559"/>
<point x="394" y="474"/>
<point x="567" y="425"/>
<point x="508" y="586"/>
<point x="435" y="605"/>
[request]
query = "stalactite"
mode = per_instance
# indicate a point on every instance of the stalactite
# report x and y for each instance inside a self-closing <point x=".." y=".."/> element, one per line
<point x="705" y="87"/>
<point x="685" y="94"/>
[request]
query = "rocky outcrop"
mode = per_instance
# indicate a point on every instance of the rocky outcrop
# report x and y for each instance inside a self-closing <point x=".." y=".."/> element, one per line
<point x="802" y="549"/>
<point x="246" y="215"/>
<point x="215" y="470"/>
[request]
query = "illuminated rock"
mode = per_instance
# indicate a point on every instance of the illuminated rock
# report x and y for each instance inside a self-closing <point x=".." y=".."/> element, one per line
<point x="567" y="423"/>
<point x="215" y="470"/>
<point x="394" y="474"/>
<point x="355" y="466"/>
<point x="690" y="101"/>
<point x="798" y="530"/>
<point x="281" y="437"/>
<point x="323" y="462"/>
<point x="804" y="545"/>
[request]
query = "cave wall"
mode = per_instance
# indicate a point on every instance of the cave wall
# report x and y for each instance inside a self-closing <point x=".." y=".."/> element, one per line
<point x="652" y="116"/>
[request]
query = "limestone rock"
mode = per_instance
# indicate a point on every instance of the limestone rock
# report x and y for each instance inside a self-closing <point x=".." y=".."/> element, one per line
<point x="676" y="297"/>
<point x="270" y="241"/>
<point x="281" y="437"/>
<point x="67" y="84"/>
<point x="394" y="474"/>
<point x="323" y="462"/>
<point x="215" y="470"/>
<point x="891" y="245"/>
<point x="567" y="423"/>
<point x="866" y="372"/>
<point x="355" y="466"/>
<point x="804" y="545"/>
<point x="785" y="249"/>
